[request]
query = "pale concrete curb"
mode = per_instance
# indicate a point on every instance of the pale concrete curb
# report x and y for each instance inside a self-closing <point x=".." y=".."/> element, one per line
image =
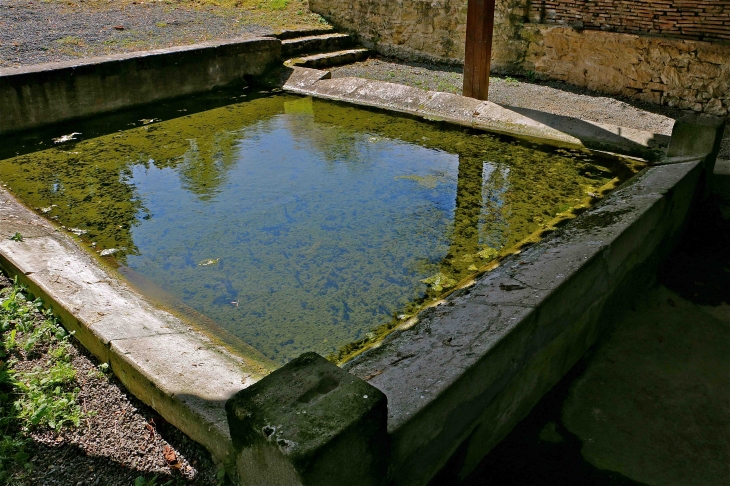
<point x="484" y="115"/>
<point x="177" y="370"/>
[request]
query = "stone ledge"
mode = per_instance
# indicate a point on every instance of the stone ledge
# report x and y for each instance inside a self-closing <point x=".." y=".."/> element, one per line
<point x="310" y="423"/>
<point x="484" y="115"/>
<point x="243" y="43"/>
<point x="179" y="371"/>
<point x="473" y="366"/>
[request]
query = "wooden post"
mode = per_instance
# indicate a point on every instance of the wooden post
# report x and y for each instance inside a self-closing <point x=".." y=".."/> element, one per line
<point x="478" y="56"/>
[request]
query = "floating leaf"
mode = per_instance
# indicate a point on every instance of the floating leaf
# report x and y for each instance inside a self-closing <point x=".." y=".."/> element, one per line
<point x="66" y="138"/>
<point x="209" y="261"/>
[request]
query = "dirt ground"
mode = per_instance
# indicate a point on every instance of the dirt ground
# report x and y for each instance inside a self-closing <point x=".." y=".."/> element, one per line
<point x="40" y="31"/>
<point x="118" y="441"/>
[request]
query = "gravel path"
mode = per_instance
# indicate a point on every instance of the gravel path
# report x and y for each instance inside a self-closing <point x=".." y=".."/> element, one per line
<point x="40" y="31"/>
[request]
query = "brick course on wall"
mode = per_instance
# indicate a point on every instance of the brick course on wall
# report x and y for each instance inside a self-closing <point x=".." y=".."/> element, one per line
<point x="707" y="20"/>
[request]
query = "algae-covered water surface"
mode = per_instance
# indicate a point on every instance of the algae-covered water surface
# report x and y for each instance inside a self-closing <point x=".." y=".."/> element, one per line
<point x="299" y="224"/>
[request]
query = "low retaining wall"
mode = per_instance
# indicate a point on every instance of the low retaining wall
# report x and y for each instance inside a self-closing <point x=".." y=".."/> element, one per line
<point x="426" y="29"/>
<point x="460" y="378"/>
<point x="684" y="19"/>
<point x="50" y="93"/>
<point x="689" y="74"/>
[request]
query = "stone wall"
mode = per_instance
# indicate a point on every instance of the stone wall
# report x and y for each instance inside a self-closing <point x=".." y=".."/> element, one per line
<point x="430" y="30"/>
<point x="684" y="73"/>
<point x="683" y="19"/>
<point x="687" y="73"/>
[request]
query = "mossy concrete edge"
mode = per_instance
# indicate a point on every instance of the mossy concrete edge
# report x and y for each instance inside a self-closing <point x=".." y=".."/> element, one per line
<point x="472" y="367"/>
<point x="162" y="360"/>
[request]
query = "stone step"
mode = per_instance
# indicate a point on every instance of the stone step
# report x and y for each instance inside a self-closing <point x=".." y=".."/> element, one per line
<point x="329" y="59"/>
<point x="315" y="43"/>
<point x="291" y="34"/>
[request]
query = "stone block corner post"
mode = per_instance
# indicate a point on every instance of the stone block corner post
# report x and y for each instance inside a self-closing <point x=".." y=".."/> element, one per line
<point x="697" y="136"/>
<point x="310" y="423"/>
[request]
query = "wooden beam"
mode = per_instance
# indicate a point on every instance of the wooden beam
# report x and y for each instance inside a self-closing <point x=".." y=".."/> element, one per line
<point x="478" y="56"/>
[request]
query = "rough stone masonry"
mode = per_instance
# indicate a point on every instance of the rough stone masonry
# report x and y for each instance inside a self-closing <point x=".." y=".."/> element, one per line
<point x="617" y="50"/>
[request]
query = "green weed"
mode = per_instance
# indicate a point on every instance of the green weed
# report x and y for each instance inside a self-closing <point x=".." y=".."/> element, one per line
<point x="447" y="87"/>
<point x="142" y="481"/>
<point x="70" y="40"/>
<point x="42" y="397"/>
<point x="278" y="4"/>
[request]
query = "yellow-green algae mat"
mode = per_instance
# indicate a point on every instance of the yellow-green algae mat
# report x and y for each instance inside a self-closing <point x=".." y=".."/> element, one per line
<point x="302" y="225"/>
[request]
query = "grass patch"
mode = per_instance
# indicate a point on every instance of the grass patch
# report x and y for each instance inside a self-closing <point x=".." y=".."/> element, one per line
<point x="70" y="40"/>
<point x="37" y="381"/>
<point x="447" y="87"/>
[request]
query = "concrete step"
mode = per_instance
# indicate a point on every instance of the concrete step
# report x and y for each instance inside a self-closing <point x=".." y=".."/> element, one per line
<point x="329" y="59"/>
<point x="291" y="34"/>
<point x="315" y="43"/>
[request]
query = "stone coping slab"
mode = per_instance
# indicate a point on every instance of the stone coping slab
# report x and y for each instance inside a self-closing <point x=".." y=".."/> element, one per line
<point x="123" y="56"/>
<point x="185" y="375"/>
<point x="484" y="115"/>
<point x="45" y="94"/>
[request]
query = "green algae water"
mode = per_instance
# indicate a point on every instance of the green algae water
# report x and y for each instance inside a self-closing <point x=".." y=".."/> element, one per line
<point x="302" y="225"/>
